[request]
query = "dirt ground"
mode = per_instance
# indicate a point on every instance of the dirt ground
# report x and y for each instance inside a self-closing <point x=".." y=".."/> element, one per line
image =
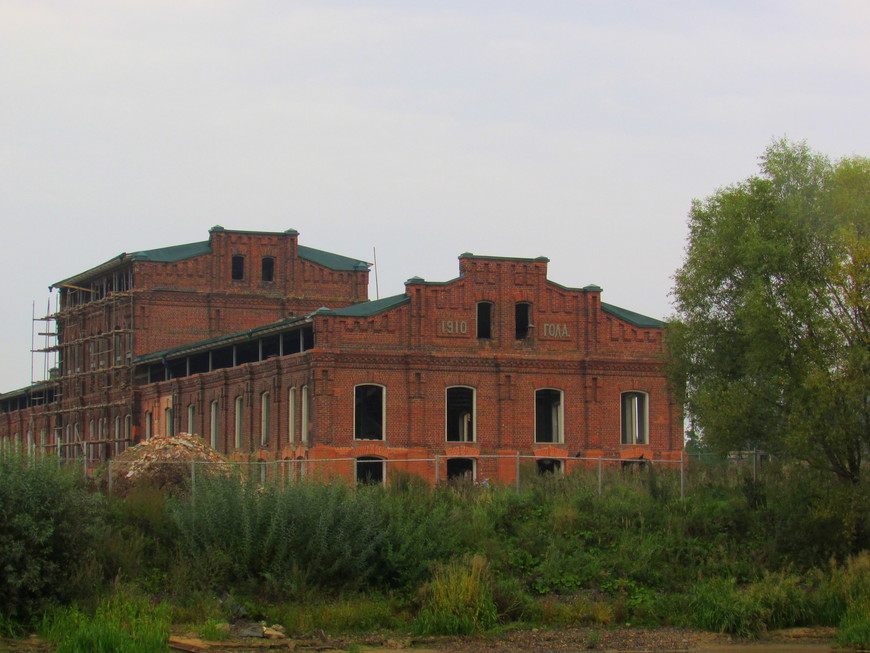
<point x="568" y="640"/>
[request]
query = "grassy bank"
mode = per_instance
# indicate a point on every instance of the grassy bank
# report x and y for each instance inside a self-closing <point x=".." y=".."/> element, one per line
<point x="736" y="556"/>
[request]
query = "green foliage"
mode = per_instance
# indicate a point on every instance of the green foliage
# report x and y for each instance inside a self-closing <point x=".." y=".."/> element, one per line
<point x="459" y="599"/>
<point x="214" y="630"/>
<point x="122" y="623"/>
<point x="49" y="523"/>
<point x="358" y="614"/>
<point x="771" y="344"/>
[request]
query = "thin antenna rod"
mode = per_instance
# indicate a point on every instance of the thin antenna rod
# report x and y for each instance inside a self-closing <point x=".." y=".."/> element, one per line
<point x="377" y="289"/>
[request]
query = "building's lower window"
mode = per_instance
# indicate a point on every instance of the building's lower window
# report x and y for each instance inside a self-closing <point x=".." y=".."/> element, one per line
<point x="549" y="466"/>
<point x="191" y="418"/>
<point x="265" y="418"/>
<point x="460" y="414"/>
<point x="369" y="411"/>
<point x="634" y="418"/>
<point x="548" y="415"/>
<point x="240" y="421"/>
<point x="213" y="426"/>
<point x="149" y="425"/>
<point x="370" y="470"/>
<point x="291" y="415"/>
<point x="460" y="469"/>
<point x="306" y="409"/>
<point x="169" y="429"/>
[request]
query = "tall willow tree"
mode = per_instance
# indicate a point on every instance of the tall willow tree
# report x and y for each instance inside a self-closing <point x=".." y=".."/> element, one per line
<point x="771" y="341"/>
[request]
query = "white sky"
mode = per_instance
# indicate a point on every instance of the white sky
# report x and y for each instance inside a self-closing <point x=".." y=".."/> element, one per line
<point x="572" y="129"/>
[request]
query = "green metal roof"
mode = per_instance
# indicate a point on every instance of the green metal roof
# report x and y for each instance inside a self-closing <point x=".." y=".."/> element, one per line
<point x="631" y="317"/>
<point x="330" y="260"/>
<point x="173" y="253"/>
<point x="367" y="309"/>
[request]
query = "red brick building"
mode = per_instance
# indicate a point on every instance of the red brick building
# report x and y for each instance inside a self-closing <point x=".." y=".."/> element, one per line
<point x="270" y="351"/>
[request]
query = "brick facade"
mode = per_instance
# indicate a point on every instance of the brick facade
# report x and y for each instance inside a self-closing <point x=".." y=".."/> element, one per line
<point x="497" y="365"/>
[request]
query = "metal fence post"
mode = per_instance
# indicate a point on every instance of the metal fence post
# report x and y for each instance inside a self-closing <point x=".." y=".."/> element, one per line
<point x="109" y="472"/>
<point x="518" y="470"/>
<point x="599" y="475"/>
<point x="437" y="470"/>
<point x="192" y="478"/>
<point x="682" y="478"/>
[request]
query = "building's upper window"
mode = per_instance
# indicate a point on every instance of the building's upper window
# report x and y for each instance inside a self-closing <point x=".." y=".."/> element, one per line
<point x="460" y="414"/>
<point x="238" y="267"/>
<point x="523" y="312"/>
<point x="268" y="268"/>
<point x="548" y="415"/>
<point x="634" y="418"/>
<point x="369" y="409"/>
<point x="484" y="320"/>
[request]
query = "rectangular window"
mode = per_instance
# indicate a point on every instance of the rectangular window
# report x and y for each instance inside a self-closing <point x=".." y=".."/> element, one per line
<point x="634" y="418"/>
<point x="214" y="425"/>
<point x="239" y="421"/>
<point x="305" y="409"/>
<point x="523" y="319"/>
<point x="238" y="267"/>
<point x="268" y="268"/>
<point x="484" y="320"/>
<point x="265" y="418"/>
<point x="291" y="415"/>
<point x="460" y="414"/>
<point x="191" y="418"/>
<point x="170" y="422"/>
<point x="149" y="425"/>
<point x="368" y="423"/>
<point x="548" y="415"/>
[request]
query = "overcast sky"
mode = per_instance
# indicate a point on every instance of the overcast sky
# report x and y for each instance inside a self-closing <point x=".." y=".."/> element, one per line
<point x="572" y="129"/>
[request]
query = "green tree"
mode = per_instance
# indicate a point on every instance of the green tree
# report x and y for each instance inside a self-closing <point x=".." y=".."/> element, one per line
<point x="771" y="343"/>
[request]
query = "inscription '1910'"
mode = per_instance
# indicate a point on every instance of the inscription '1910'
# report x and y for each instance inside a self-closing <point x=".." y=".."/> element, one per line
<point x="453" y="327"/>
<point x="555" y="331"/>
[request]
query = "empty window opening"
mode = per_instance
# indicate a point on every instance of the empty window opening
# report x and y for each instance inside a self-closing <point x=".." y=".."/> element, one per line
<point x="369" y="408"/>
<point x="484" y="319"/>
<point x="268" y="268"/>
<point x="523" y="320"/>
<point x="370" y="470"/>
<point x="549" y="466"/>
<point x="548" y="415"/>
<point x="270" y="347"/>
<point x="191" y="418"/>
<point x="305" y="414"/>
<point x="247" y="352"/>
<point x="198" y="363"/>
<point x="213" y="427"/>
<point x="460" y="469"/>
<point x="238" y="267"/>
<point x="460" y="414"/>
<point x="634" y="418"/>
<point x="265" y="418"/>
<point x="240" y="409"/>
<point x="221" y="358"/>
<point x="291" y="415"/>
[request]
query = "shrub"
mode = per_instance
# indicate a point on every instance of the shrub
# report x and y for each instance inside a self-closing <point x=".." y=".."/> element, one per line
<point x="49" y="523"/>
<point x="458" y="600"/>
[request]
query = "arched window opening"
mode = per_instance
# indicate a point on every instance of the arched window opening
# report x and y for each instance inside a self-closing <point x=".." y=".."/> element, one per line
<point x="634" y="418"/>
<point x="460" y="414"/>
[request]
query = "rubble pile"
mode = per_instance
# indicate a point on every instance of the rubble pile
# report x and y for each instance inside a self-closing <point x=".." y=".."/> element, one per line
<point x="164" y="462"/>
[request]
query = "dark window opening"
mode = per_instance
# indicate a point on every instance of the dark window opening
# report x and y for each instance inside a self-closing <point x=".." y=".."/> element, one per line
<point x="548" y="415"/>
<point x="634" y="418"/>
<point x="238" y="267"/>
<point x="369" y="470"/>
<point x="247" y="352"/>
<point x="271" y="347"/>
<point x="549" y="466"/>
<point x="460" y="469"/>
<point x="221" y="358"/>
<point x="268" y="268"/>
<point x="292" y="342"/>
<point x="307" y="338"/>
<point x="484" y="319"/>
<point x="460" y="415"/>
<point x="369" y="412"/>
<point x="523" y="313"/>
<point x="199" y="363"/>
<point x="177" y="368"/>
